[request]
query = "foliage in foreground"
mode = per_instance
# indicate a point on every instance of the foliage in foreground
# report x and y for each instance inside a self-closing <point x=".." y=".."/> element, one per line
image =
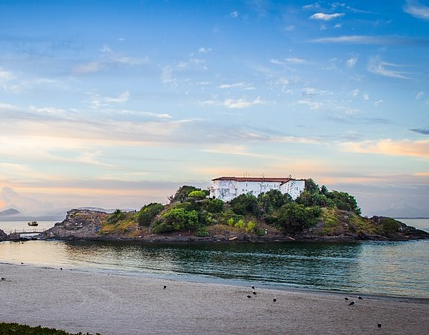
<point x="191" y="210"/>
<point x="14" y="328"/>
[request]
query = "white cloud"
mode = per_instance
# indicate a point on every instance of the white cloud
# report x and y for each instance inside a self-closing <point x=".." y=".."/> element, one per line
<point x="379" y="67"/>
<point x="359" y="39"/>
<point x="234" y="14"/>
<point x="417" y="10"/>
<point x="326" y="17"/>
<point x="121" y="98"/>
<point x="419" y="95"/>
<point x="234" y="103"/>
<point x="351" y="62"/>
<point x="378" y="102"/>
<point x="294" y="60"/>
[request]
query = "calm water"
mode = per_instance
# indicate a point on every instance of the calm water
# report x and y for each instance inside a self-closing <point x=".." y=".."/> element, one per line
<point x="382" y="268"/>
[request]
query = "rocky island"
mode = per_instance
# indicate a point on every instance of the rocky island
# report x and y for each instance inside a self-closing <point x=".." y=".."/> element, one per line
<point x="316" y="215"/>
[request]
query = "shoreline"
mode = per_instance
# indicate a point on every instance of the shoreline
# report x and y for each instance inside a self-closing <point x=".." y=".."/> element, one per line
<point x="111" y="303"/>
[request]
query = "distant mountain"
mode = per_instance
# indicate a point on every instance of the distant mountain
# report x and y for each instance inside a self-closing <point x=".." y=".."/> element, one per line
<point x="10" y="211"/>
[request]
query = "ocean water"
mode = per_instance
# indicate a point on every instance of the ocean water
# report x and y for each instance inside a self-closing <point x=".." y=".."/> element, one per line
<point x="376" y="268"/>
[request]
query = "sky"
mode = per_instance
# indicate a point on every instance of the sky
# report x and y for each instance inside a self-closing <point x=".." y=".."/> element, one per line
<point x="116" y="104"/>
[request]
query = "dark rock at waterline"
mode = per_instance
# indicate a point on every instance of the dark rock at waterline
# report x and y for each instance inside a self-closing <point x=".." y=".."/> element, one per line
<point x="3" y="235"/>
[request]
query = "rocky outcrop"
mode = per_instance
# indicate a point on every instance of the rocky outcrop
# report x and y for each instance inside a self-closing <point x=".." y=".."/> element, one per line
<point x="78" y="224"/>
<point x="3" y="235"/>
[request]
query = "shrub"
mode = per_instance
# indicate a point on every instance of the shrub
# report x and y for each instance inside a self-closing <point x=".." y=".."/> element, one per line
<point x="390" y="226"/>
<point x="148" y="213"/>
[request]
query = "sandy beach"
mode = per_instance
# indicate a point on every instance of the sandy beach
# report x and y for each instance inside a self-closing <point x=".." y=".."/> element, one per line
<point x="79" y="301"/>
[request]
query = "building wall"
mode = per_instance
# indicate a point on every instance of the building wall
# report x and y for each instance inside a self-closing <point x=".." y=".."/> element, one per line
<point x="227" y="190"/>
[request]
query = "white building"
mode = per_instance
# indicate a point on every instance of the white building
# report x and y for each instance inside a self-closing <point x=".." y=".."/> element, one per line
<point x="227" y="188"/>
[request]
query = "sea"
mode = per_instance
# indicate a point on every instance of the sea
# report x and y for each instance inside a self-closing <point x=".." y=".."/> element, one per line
<point x="388" y="269"/>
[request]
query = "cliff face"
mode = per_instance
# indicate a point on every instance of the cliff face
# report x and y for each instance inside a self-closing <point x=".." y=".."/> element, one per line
<point x="334" y="226"/>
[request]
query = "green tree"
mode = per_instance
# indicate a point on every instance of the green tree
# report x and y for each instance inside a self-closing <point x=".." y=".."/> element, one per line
<point x="147" y="213"/>
<point x="294" y="217"/>
<point x="344" y="201"/>
<point x="245" y="204"/>
<point x="272" y="200"/>
<point x="182" y="193"/>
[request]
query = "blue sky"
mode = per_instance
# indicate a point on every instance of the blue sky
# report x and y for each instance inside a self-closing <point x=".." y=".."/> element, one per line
<point x="116" y="104"/>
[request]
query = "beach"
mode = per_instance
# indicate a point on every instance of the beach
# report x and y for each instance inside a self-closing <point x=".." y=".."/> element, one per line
<point x="111" y="303"/>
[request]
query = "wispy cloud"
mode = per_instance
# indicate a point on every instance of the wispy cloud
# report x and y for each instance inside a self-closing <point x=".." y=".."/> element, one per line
<point x="107" y="61"/>
<point x="235" y="103"/>
<point x="389" y="147"/>
<point x="417" y="10"/>
<point x="422" y="131"/>
<point x="379" y="67"/>
<point x="326" y="17"/>
<point x="372" y="40"/>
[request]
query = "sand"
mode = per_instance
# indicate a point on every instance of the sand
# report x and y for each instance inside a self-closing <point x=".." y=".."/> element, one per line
<point x="79" y="301"/>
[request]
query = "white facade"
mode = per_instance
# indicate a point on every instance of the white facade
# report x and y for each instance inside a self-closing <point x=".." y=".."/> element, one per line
<point x="228" y="188"/>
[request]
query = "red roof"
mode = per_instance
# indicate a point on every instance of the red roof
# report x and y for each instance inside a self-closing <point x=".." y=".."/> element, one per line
<point x="256" y="179"/>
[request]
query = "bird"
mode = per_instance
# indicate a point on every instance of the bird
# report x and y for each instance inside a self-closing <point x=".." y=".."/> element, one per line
<point x="352" y="303"/>
<point x="165" y="286"/>
<point x="274" y="300"/>
<point x="61" y="269"/>
<point x="346" y="298"/>
<point x="359" y="297"/>
<point x="249" y="296"/>
<point x="3" y="278"/>
<point x="253" y="287"/>
<point x="254" y="292"/>
<point x="379" y="325"/>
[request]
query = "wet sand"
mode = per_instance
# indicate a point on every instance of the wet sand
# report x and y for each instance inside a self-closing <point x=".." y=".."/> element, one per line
<point x="78" y="301"/>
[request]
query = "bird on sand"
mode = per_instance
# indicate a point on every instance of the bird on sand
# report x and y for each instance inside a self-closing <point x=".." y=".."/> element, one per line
<point x="346" y="298"/>
<point x="359" y="297"/>
<point x="274" y="300"/>
<point x="249" y="296"/>
<point x="379" y="325"/>
<point x="352" y="303"/>
<point x="165" y="286"/>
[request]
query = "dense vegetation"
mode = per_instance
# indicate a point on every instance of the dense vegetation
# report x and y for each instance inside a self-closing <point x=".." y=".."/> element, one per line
<point x="192" y="210"/>
<point x="14" y="328"/>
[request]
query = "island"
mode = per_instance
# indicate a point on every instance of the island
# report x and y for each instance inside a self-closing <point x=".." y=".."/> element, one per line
<point x="317" y="214"/>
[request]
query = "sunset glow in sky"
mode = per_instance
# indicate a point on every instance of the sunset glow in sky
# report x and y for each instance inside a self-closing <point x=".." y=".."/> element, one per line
<point x="116" y="104"/>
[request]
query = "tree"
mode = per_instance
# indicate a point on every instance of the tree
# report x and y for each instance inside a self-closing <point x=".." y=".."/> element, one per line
<point x="245" y="204"/>
<point x="294" y="217"/>
<point x="147" y="213"/>
<point x="344" y="201"/>
<point x="183" y="193"/>
<point x="272" y="200"/>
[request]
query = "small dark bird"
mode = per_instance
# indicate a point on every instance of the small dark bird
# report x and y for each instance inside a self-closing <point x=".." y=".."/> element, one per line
<point x="22" y="263"/>
<point x="249" y="296"/>
<point x="254" y="292"/>
<point x="346" y="298"/>
<point x="359" y="297"/>
<point x="274" y="300"/>
<point x="379" y="325"/>
<point x="61" y="269"/>
<point x="352" y="303"/>
<point x="2" y="278"/>
<point x="165" y="286"/>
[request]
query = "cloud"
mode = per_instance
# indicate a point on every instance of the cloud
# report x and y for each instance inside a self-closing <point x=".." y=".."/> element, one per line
<point x="234" y="103"/>
<point x="121" y="98"/>
<point x="296" y="60"/>
<point x="379" y="67"/>
<point x="351" y="62"/>
<point x="417" y="10"/>
<point x="107" y="62"/>
<point x="372" y="40"/>
<point x="421" y="131"/>
<point x="389" y="147"/>
<point x="326" y="17"/>
<point x="234" y="14"/>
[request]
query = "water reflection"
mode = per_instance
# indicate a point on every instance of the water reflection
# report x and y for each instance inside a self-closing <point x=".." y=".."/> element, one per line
<point x="374" y="267"/>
